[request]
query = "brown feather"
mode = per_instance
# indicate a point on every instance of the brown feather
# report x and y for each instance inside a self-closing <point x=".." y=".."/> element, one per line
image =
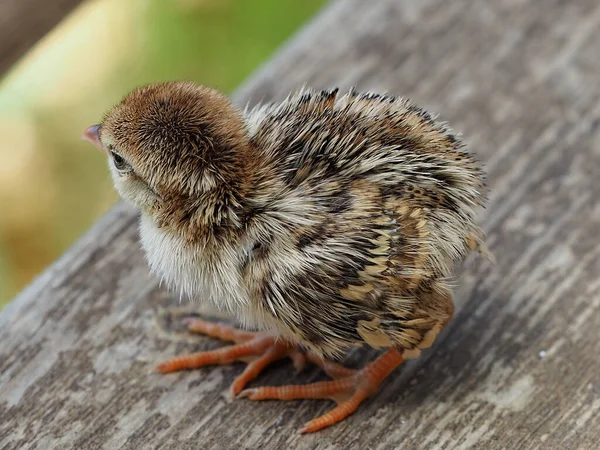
<point x="332" y="220"/>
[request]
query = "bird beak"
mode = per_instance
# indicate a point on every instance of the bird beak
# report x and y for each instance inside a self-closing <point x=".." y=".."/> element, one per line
<point x="92" y="135"/>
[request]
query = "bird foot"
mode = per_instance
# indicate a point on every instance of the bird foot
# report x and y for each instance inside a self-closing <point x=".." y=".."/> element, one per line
<point x="347" y="390"/>
<point x="349" y="387"/>
<point x="258" y="349"/>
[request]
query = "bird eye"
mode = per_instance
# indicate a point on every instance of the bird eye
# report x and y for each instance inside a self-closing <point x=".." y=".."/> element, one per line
<point x="119" y="162"/>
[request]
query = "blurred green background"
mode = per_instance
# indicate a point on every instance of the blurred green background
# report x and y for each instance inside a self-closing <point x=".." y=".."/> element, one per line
<point x="54" y="186"/>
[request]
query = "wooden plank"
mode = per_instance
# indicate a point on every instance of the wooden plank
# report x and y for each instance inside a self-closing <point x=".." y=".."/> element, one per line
<point x="24" y="22"/>
<point x="517" y="368"/>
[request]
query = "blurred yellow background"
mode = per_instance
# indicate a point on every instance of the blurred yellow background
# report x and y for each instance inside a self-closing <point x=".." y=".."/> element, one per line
<point x="53" y="186"/>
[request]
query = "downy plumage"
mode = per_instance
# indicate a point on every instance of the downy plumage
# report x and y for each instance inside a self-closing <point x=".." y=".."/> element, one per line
<point x="327" y="220"/>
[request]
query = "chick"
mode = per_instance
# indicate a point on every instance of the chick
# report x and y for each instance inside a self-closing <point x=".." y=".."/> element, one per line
<point x="324" y="222"/>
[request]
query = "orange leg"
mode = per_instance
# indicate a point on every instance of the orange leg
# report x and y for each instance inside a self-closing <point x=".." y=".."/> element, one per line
<point x="349" y="387"/>
<point x="256" y="348"/>
<point x="349" y="391"/>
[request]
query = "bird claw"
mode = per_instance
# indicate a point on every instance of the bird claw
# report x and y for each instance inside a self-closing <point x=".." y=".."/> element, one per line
<point x="258" y="349"/>
<point x="349" y="387"/>
<point x="348" y="391"/>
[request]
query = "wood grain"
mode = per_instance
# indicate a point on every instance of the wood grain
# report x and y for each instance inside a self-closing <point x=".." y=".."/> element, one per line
<point x="518" y="367"/>
<point x="24" y="22"/>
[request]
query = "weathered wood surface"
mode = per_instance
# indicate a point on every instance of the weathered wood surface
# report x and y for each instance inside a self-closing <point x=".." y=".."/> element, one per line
<point x="24" y="22"/>
<point x="519" y="366"/>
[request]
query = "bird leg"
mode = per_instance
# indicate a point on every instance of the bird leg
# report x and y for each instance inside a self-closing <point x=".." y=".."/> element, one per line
<point x="258" y="349"/>
<point x="349" y="390"/>
<point x="349" y="387"/>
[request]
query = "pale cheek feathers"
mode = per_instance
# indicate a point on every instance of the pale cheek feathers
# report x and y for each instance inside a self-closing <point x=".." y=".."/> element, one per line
<point x="133" y="190"/>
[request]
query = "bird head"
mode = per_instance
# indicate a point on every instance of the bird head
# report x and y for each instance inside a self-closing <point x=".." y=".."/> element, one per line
<point x="174" y="147"/>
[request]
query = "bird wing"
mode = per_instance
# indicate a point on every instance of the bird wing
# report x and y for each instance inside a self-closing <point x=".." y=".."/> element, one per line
<point x="371" y="204"/>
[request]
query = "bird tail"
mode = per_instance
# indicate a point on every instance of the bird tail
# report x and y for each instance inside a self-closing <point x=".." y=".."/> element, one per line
<point x="476" y="243"/>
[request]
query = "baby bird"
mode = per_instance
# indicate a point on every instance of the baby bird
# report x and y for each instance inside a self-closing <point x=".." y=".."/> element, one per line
<point x="324" y="222"/>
